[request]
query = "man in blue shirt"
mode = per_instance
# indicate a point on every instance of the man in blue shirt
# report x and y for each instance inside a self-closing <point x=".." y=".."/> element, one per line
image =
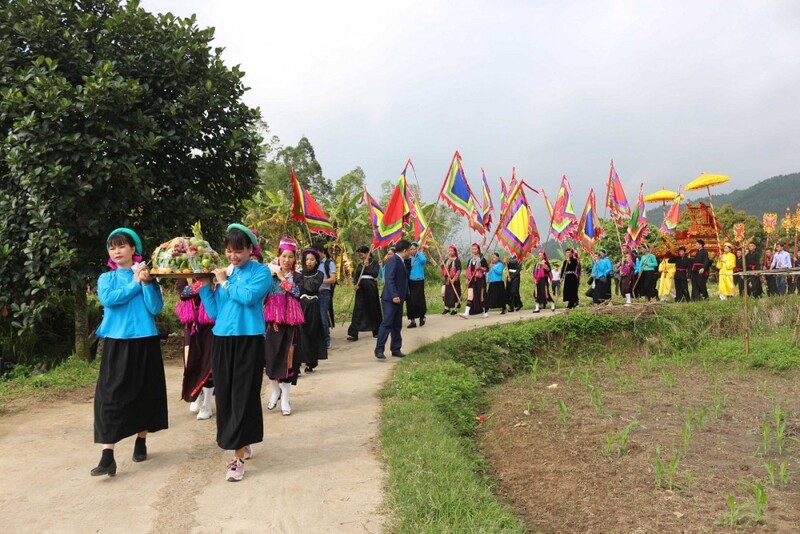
<point x="395" y="291"/>
<point x="416" y="305"/>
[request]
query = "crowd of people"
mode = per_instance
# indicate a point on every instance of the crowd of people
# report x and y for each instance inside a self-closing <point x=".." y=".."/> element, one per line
<point x="253" y="319"/>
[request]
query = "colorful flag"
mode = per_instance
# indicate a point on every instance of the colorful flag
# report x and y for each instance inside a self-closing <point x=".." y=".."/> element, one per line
<point x="382" y="236"/>
<point x="589" y="230"/>
<point x="455" y="190"/>
<point x="503" y="195"/>
<point x="672" y="217"/>
<point x="488" y="205"/>
<point x="475" y="217"/>
<point x="616" y="200"/>
<point x="400" y="208"/>
<point x="564" y="220"/>
<point x="637" y="227"/>
<point x="305" y="209"/>
<point x="421" y="229"/>
<point x="518" y="232"/>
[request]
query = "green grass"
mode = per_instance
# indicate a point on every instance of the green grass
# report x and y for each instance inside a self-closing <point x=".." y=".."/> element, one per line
<point x="24" y="384"/>
<point x="437" y="480"/>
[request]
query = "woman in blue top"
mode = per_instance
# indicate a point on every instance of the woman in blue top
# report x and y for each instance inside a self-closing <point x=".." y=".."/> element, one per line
<point x="496" y="294"/>
<point x="601" y="272"/>
<point x="648" y="274"/>
<point x="237" y="350"/>
<point x="131" y="393"/>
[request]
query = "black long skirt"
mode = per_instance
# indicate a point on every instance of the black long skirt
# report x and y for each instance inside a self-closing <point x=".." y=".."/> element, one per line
<point x="281" y="355"/>
<point x="478" y="286"/>
<point x="496" y="295"/>
<point x="131" y="391"/>
<point x="238" y="366"/>
<point x="452" y="294"/>
<point x="197" y="369"/>
<point x="602" y="290"/>
<point x="647" y="284"/>
<point x="570" y="293"/>
<point x="311" y="345"/>
<point x="367" y="313"/>
<point x="416" y="306"/>
<point x="541" y="293"/>
<point x="513" y="298"/>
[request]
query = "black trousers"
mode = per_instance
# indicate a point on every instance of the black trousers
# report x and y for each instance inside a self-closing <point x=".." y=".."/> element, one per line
<point x="699" y="289"/>
<point x="682" y="290"/>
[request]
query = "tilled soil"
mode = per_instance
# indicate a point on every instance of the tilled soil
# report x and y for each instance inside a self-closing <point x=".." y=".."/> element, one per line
<point x="549" y="463"/>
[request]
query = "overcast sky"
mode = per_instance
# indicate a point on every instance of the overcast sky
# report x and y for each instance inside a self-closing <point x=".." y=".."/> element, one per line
<point x="666" y="89"/>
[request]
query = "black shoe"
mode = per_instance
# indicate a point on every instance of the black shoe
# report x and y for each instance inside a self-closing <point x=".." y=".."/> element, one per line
<point x="453" y="312"/>
<point x="375" y="334"/>
<point x="139" y="450"/>
<point x="309" y="369"/>
<point x="380" y="355"/>
<point x="100" y="470"/>
<point x="352" y="338"/>
<point x="398" y="355"/>
<point x="422" y="322"/>
<point x="446" y="311"/>
<point x="412" y="324"/>
<point x="503" y="312"/>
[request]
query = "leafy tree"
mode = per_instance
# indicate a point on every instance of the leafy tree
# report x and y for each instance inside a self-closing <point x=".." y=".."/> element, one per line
<point x="728" y="216"/>
<point x="111" y="117"/>
<point x="351" y="183"/>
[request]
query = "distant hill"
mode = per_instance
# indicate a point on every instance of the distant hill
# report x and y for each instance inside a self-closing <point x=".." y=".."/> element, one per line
<point x="772" y="195"/>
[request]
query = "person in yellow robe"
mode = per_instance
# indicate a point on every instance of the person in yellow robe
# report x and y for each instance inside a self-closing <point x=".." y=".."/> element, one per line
<point x="666" y="284"/>
<point x="726" y="263"/>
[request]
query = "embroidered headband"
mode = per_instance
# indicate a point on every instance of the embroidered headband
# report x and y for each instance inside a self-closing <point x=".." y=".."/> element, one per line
<point x="287" y="243"/>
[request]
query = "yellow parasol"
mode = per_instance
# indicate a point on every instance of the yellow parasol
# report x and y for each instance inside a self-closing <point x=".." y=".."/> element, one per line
<point x="663" y="196"/>
<point x="706" y="181"/>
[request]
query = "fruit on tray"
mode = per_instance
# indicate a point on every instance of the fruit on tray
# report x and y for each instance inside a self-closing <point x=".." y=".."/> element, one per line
<point x="185" y="255"/>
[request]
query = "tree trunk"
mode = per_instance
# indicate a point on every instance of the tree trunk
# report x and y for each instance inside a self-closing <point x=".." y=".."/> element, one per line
<point x="81" y="320"/>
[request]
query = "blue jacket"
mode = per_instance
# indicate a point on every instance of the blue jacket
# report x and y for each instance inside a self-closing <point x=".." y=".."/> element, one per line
<point x="649" y="262"/>
<point x="418" y="262"/>
<point x="238" y="308"/>
<point x="496" y="272"/>
<point x="129" y="307"/>
<point x="396" y="283"/>
<point x="602" y="268"/>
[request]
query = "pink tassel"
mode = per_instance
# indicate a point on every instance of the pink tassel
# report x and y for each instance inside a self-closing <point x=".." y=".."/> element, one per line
<point x="185" y="311"/>
<point x="282" y="309"/>
<point x="202" y="316"/>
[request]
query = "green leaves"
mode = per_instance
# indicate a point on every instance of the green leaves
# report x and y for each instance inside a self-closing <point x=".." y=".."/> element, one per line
<point x="111" y="116"/>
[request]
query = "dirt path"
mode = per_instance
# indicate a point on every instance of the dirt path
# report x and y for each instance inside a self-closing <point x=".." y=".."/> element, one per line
<point x="316" y="471"/>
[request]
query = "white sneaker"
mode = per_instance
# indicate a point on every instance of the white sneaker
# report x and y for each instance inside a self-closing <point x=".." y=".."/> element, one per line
<point x="485" y="315"/>
<point x="195" y="405"/>
<point x="553" y="306"/>
<point x="204" y="413"/>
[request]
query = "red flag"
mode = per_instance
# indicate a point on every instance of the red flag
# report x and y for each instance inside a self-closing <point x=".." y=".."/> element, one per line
<point x="305" y="209"/>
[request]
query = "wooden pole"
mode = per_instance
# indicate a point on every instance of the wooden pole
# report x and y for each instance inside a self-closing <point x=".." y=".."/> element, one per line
<point x="746" y="299"/>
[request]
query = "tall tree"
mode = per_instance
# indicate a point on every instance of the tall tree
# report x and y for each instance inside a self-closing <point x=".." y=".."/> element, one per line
<point x="275" y="170"/>
<point x="111" y="116"/>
